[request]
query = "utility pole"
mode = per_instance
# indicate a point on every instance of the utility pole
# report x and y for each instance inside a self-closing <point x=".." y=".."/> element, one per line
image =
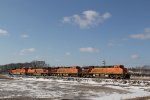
<point x="104" y="62"/>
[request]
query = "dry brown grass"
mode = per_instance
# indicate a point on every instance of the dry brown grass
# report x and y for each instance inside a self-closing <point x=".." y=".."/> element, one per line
<point x="140" y="98"/>
<point x="4" y="77"/>
<point x="141" y="78"/>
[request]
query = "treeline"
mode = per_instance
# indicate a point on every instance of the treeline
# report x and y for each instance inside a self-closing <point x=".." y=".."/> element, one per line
<point x="33" y="64"/>
<point x="140" y="71"/>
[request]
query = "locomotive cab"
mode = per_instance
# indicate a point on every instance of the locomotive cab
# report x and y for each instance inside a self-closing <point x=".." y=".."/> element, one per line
<point x="118" y="66"/>
<point x="125" y="73"/>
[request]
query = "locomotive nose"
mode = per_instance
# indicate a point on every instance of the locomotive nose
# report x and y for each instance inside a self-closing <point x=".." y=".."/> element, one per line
<point x="125" y="70"/>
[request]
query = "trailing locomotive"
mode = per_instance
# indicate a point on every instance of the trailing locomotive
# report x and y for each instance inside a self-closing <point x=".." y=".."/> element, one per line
<point x="113" y="72"/>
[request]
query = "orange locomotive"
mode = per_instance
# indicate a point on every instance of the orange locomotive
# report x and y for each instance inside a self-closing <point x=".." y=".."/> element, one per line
<point x="29" y="71"/>
<point x="21" y="71"/>
<point x="69" y="71"/>
<point x="116" y="71"/>
<point x="37" y="71"/>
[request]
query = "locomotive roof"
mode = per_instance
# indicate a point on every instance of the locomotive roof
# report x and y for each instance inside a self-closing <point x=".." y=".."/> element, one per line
<point x="98" y="66"/>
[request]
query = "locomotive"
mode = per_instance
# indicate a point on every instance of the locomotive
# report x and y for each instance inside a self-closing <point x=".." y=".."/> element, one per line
<point x="113" y="72"/>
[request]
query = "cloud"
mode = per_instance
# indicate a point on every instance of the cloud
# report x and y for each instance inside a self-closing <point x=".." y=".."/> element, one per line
<point x="147" y="30"/>
<point x="116" y="43"/>
<point x="3" y="32"/>
<point x="26" y="51"/>
<point x="135" y="56"/>
<point x="25" y="36"/>
<point x="67" y="53"/>
<point x="111" y="44"/>
<point x="38" y="58"/>
<point x="88" y="19"/>
<point x="88" y="49"/>
<point x="143" y="36"/>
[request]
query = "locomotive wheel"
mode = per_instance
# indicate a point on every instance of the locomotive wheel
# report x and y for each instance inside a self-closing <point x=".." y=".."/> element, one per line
<point x="111" y="76"/>
<point x="118" y="77"/>
<point x="127" y="76"/>
<point x="121" y="76"/>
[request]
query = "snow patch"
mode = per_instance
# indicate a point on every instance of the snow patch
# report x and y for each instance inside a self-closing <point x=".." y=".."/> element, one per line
<point x="59" y="88"/>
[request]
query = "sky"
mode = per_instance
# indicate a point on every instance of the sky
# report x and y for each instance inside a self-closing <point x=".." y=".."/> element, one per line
<point x="75" y="32"/>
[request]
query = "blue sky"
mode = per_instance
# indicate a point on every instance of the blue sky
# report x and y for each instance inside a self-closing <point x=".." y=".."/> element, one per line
<point x="67" y="32"/>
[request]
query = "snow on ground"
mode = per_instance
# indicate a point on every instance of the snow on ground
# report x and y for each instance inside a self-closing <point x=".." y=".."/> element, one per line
<point x="73" y="88"/>
<point x="133" y="91"/>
